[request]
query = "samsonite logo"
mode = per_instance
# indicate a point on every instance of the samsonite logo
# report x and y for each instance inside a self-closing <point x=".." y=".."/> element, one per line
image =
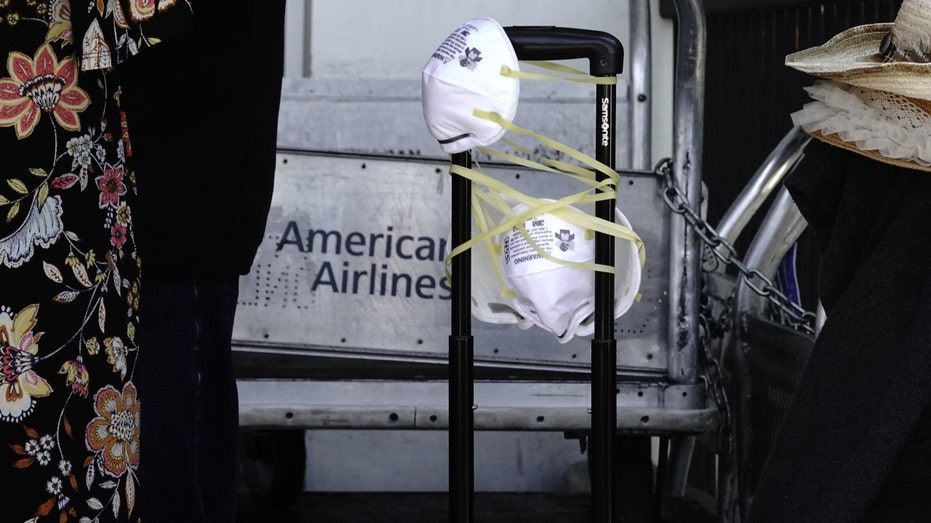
<point x="605" y="122"/>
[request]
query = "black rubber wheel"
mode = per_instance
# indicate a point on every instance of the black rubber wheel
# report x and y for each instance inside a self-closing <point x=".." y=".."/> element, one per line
<point x="273" y="465"/>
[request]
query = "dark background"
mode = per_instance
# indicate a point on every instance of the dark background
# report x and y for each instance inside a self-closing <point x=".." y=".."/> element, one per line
<point x="750" y="93"/>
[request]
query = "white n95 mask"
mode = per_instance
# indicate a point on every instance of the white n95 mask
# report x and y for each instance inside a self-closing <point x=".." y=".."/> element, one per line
<point x="464" y="74"/>
<point x="553" y="296"/>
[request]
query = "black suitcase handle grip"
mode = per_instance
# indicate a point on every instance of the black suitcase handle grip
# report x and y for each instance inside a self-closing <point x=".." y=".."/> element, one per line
<point x="604" y="52"/>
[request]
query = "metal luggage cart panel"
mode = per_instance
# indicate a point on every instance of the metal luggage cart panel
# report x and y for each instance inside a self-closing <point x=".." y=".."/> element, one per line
<point x="352" y="266"/>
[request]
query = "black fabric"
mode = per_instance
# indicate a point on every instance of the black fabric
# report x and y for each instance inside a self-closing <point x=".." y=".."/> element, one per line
<point x="190" y="418"/>
<point x="204" y="115"/>
<point x="854" y="444"/>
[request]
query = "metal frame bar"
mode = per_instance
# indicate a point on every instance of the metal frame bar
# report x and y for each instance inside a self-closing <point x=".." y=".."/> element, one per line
<point x="649" y="408"/>
<point x="684" y="252"/>
<point x="781" y="228"/>
<point x="641" y="86"/>
<point x="768" y="177"/>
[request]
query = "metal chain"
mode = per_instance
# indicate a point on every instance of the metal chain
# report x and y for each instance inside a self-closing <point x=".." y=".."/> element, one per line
<point x="714" y="377"/>
<point x="718" y="250"/>
<point x="718" y="247"/>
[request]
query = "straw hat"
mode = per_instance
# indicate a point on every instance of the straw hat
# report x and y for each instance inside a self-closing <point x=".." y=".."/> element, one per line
<point x="894" y="57"/>
<point x="877" y="101"/>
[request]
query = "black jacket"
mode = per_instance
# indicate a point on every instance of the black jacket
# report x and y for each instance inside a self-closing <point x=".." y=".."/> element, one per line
<point x="856" y="442"/>
<point x="202" y="113"/>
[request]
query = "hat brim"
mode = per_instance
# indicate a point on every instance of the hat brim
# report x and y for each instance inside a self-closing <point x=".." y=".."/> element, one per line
<point x="852" y="57"/>
<point x="835" y="140"/>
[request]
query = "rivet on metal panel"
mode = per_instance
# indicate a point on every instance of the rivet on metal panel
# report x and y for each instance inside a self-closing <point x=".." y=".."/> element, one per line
<point x="683" y="397"/>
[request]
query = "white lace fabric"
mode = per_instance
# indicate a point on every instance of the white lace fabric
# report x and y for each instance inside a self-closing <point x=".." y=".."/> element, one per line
<point x="891" y="125"/>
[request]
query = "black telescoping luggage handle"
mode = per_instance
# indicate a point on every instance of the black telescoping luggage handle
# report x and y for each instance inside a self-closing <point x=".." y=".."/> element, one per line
<point x="606" y="58"/>
<point x="604" y="51"/>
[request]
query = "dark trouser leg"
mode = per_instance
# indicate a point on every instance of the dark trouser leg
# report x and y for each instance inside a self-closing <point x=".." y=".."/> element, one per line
<point x="166" y="379"/>
<point x="190" y="411"/>
<point x="217" y="401"/>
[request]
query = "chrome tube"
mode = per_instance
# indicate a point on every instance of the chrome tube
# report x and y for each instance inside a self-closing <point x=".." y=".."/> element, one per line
<point x="780" y="229"/>
<point x="641" y="90"/>
<point x="684" y="251"/>
<point x="769" y="176"/>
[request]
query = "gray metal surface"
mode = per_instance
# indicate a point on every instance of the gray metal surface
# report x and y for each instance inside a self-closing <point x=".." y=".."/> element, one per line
<point x="641" y="87"/>
<point x="385" y="117"/>
<point x="338" y="220"/>
<point x="685" y="252"/>
<point x="643" y="407"/>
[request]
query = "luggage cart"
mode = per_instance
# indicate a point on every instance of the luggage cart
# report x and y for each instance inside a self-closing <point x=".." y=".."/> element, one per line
<point x="385" y="366"/>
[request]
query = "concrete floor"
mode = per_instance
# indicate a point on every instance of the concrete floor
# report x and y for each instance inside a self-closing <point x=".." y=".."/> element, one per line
<point x="419" y="508"/>
<point x="433" y="508"/>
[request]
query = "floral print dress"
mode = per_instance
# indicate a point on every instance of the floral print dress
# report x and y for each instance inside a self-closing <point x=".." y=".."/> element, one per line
<point x="69" y="272"/>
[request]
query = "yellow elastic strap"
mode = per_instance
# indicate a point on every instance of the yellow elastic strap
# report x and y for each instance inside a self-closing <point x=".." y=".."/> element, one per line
<point x="607" y="191"/>
<point x="559" y="208"/>
<point x="482" y="219"/>
<point x="575" y="172"/>
<point x="536" y="207"/>
<point x="554" y="66"/>
<point x="517" y="221"/>
<point x="495" y="186"/>
<point x="581" y="78"/>
<point x="559" y="165"/>
<point x="495" y="201"/>
<point x="568" y="151"/>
